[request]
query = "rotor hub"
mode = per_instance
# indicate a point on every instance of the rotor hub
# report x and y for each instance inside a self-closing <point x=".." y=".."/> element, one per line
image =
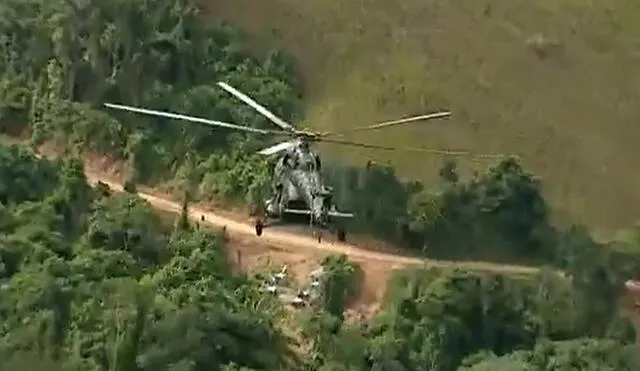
<point x="308" y="135"/>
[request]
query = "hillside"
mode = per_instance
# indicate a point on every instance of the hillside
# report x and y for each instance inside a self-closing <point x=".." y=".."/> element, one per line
<point x="96" y="280"/>
<point x="551" y="81"/>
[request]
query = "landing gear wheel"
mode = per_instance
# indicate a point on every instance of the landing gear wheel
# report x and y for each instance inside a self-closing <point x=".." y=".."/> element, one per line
<point x="259" y="227"/>
<point x="341" y="234"/>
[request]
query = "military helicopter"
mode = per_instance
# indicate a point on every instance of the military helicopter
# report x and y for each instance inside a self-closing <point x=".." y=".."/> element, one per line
<point x="298" y="187"/>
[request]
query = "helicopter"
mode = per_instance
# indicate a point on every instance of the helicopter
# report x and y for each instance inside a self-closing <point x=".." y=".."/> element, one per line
<point x="298" y="187"/>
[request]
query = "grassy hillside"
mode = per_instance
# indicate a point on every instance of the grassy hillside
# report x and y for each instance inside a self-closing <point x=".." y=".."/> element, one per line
<point x="552" y="81"/>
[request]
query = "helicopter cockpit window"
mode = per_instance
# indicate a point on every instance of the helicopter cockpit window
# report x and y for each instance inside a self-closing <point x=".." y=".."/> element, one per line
<point x="308" y="165"/>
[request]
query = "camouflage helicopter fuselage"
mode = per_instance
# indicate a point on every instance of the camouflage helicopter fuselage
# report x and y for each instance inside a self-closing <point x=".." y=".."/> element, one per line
<point x="298" y="188"/>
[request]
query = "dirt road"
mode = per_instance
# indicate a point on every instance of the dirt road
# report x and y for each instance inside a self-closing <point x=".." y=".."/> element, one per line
<point x="282" y="245"/>
<point x="303" y="254"/>
<point x="98" y="169"/>
<point x="277" y="237"/>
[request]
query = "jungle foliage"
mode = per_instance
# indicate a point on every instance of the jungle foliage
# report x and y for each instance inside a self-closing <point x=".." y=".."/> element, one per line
<point x="93" y="281"/>
<point x="448" y="320"/>
<point x="96" y="282"/>
<point x="587" y="355"/>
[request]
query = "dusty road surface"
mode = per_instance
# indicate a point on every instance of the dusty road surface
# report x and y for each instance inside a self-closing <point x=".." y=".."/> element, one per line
<point x="280" y="245"/>
<point x="276" y="237"/>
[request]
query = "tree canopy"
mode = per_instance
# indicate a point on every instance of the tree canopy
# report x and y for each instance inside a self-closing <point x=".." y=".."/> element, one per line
<point x="92" y="280"/>
<point x="125" y="291"/>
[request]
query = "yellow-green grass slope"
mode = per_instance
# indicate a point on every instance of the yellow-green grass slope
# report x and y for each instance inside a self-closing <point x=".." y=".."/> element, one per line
<point x="555" y="81"/>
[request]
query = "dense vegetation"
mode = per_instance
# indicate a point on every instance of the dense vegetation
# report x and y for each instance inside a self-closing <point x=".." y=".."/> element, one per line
<point x="92" y="281"/>
<point x="95" y="281"/>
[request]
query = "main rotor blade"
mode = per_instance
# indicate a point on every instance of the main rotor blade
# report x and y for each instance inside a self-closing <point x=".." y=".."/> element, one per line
<point x="279" y="147"/>
<point x="265" y="112"/>
<point x="413" y="149"/>
<point x="387" y="124"/>
<point x="201" y="120"/>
